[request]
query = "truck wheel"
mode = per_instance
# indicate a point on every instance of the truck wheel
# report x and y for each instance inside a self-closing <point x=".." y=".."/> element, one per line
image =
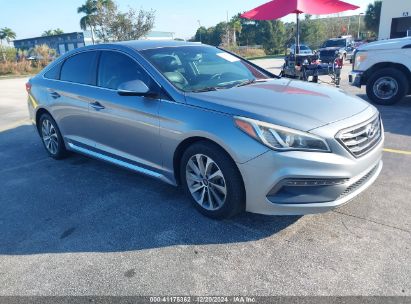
<point x="387" y="86"/>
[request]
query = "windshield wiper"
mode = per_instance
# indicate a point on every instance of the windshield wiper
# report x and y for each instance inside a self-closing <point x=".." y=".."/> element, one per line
<point x="249" y="81"/>
<point x="206" y="89"/>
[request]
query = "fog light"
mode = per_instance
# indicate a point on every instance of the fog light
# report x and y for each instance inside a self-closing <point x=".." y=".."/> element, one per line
<point x="316" y="182"/>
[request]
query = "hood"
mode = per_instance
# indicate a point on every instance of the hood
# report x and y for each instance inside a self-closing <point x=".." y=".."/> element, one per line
<point x="289" y="103"/>
<point x="390" y="44"/>
<point x="334" y="48"/>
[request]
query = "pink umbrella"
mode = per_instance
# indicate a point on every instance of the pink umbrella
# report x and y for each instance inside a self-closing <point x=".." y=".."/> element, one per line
<point x="276" y="9"/>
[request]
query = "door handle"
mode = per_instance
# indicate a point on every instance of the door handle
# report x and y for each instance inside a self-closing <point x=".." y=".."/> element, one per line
<point x="54" y="95"/>
<point x="97" y="106"/>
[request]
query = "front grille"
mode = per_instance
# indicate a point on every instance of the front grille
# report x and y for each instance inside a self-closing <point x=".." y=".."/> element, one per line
<point x="327" y="56"/>
<point x="360" y="139"/>
<point x="359" y="183"/>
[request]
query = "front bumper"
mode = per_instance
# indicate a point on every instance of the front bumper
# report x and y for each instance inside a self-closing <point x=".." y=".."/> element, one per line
<point x="269" y="179"/>
<point x="355" y="79"/>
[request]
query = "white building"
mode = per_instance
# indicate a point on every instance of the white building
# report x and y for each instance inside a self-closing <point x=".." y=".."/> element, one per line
<point x="159" y="35"/>
<point x="395" y="19"/>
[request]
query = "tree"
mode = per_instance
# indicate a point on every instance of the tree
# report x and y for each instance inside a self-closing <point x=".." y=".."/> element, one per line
<point x="235" y="28"/>
<point x="104" y="19"/>
<point x="130" y="25"/>
<point x="47" y="33"/>
<point x="90" y="9"/>
<point x="58" y="31"/>
<point x="8" y="34"/>
<point x="372" y="16"/>
<point x="312" y="32"/>
<point x="201" y="35"/>
<point x="2" y="37"/>
<point x="52" y="32"/>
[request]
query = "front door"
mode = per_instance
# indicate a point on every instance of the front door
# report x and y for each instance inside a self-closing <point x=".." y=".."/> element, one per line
<point x="125" y="127"/>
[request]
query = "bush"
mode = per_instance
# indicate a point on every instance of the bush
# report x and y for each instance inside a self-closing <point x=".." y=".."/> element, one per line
<point x="23" y="67"/>
<point x="247" y="52"/>
<point x="10" y="64"/>
<point x="7" y="53"/>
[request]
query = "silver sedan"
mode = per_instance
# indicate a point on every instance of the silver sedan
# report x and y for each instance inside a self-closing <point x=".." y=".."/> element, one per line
<point x="234" y="136"/>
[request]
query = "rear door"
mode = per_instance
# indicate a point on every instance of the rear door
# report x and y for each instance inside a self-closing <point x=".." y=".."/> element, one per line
<point x="126" y="127"/>
<point x="71" y="95"/>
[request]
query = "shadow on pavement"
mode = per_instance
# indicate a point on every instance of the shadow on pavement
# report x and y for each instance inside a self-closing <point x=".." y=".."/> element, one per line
<point x="396" y="118"/>
<point x="83" y="205"/>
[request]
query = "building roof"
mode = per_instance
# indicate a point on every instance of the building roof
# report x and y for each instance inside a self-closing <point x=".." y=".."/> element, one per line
<point x="51" y="36"/>
<point x="159" y="34"/>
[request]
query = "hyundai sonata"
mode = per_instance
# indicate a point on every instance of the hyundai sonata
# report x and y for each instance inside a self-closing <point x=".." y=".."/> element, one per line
<point x="233" y="135"/>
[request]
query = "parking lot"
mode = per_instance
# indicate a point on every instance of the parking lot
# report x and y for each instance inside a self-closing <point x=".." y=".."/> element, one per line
<point x="83" y="227"/>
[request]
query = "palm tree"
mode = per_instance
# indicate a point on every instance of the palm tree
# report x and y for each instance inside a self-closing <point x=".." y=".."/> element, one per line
<point x="48" y="33"/>
<point x="52" y="32"/>
<point x="372" y="16"/>
<point x="89" y="9"/>
<point x="2" y="36"/>
<point x="58" y="31"/>
<point x="8" y="34"/>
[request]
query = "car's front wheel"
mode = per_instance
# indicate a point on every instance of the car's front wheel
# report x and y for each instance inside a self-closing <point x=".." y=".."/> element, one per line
<point x="211" y="178"/>
<point x="387" y="86"/>
<point x="51" y="137"/>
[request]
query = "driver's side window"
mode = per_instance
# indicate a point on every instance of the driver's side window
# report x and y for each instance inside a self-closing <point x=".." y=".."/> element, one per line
<point x="116" y="68"/>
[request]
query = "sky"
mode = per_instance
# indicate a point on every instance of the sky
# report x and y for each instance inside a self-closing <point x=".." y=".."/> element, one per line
<point x="178" y="16"/>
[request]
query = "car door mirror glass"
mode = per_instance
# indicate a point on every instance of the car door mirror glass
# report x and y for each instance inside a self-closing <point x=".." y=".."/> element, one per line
<point x="133" y="88"/>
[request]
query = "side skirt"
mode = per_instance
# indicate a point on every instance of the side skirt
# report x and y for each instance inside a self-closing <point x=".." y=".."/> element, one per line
<point x="120" y="163"/>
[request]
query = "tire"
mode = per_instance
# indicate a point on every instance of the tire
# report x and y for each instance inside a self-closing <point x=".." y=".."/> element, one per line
<point x="387" y="86"/>
<point x="221" y="205"/>
<point x="51" y="137"/>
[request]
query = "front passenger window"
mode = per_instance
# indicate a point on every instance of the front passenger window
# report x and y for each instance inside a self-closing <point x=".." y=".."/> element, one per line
<point x="116" y="68"/>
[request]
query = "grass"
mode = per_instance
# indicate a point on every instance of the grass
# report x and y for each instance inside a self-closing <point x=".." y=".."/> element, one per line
<point x="280" y="56"/>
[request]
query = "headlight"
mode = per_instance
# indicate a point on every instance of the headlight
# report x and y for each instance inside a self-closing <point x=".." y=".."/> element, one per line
<point x="280" y="138"/>
<point x="360" y="57"/>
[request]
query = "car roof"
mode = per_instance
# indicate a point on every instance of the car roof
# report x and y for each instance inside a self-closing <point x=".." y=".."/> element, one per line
<point x="140" y="45"/>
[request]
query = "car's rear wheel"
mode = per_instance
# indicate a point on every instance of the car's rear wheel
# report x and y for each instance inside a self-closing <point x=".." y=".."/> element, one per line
<point x="387" y="86"/>
<point x="51" y="137"/>
<point x="211" y="178"/>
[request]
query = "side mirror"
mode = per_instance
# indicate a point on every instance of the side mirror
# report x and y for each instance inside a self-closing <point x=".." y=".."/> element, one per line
<point x="133" y="88"/>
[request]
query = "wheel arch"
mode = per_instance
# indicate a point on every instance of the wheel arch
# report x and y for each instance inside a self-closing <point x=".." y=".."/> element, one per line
<point x="40" y="112"/>
<point x="187" y="142"/>
<point x="382" y="65"/>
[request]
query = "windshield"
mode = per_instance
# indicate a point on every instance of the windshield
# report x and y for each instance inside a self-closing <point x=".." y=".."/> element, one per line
<point x="201" y="68"/>
<point x="334" y="43"/>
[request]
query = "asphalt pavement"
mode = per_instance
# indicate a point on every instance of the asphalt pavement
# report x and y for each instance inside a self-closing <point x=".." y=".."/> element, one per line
<point x="82" y="227"/>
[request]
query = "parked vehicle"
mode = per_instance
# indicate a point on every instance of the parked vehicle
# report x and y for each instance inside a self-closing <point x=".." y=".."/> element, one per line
<point x="342" y="46"/>
<point x="384" y="67"/>
<point x="235" y="136"/>
<point x="304" y="50"/>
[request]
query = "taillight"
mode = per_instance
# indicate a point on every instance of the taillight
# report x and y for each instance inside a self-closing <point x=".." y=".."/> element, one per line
<point x="28" y="87"/>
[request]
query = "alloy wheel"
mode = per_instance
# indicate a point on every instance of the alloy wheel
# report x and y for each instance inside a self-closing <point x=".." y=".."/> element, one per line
<point x="49" y="136"/>
<point x="206" y="182"/>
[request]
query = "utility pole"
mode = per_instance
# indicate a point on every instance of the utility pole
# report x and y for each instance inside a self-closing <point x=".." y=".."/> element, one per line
<point x="359" y="25"/>
<point x="228" y="32"/>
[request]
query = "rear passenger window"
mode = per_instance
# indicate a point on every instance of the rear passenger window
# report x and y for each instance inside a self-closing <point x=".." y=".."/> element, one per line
<point x="54" y="72"/>
<point x="116" y="68"/>
<point x="80" y="68"/>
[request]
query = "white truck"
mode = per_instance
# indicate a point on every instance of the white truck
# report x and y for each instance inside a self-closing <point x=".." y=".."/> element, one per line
<point x="384" y="67"/>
